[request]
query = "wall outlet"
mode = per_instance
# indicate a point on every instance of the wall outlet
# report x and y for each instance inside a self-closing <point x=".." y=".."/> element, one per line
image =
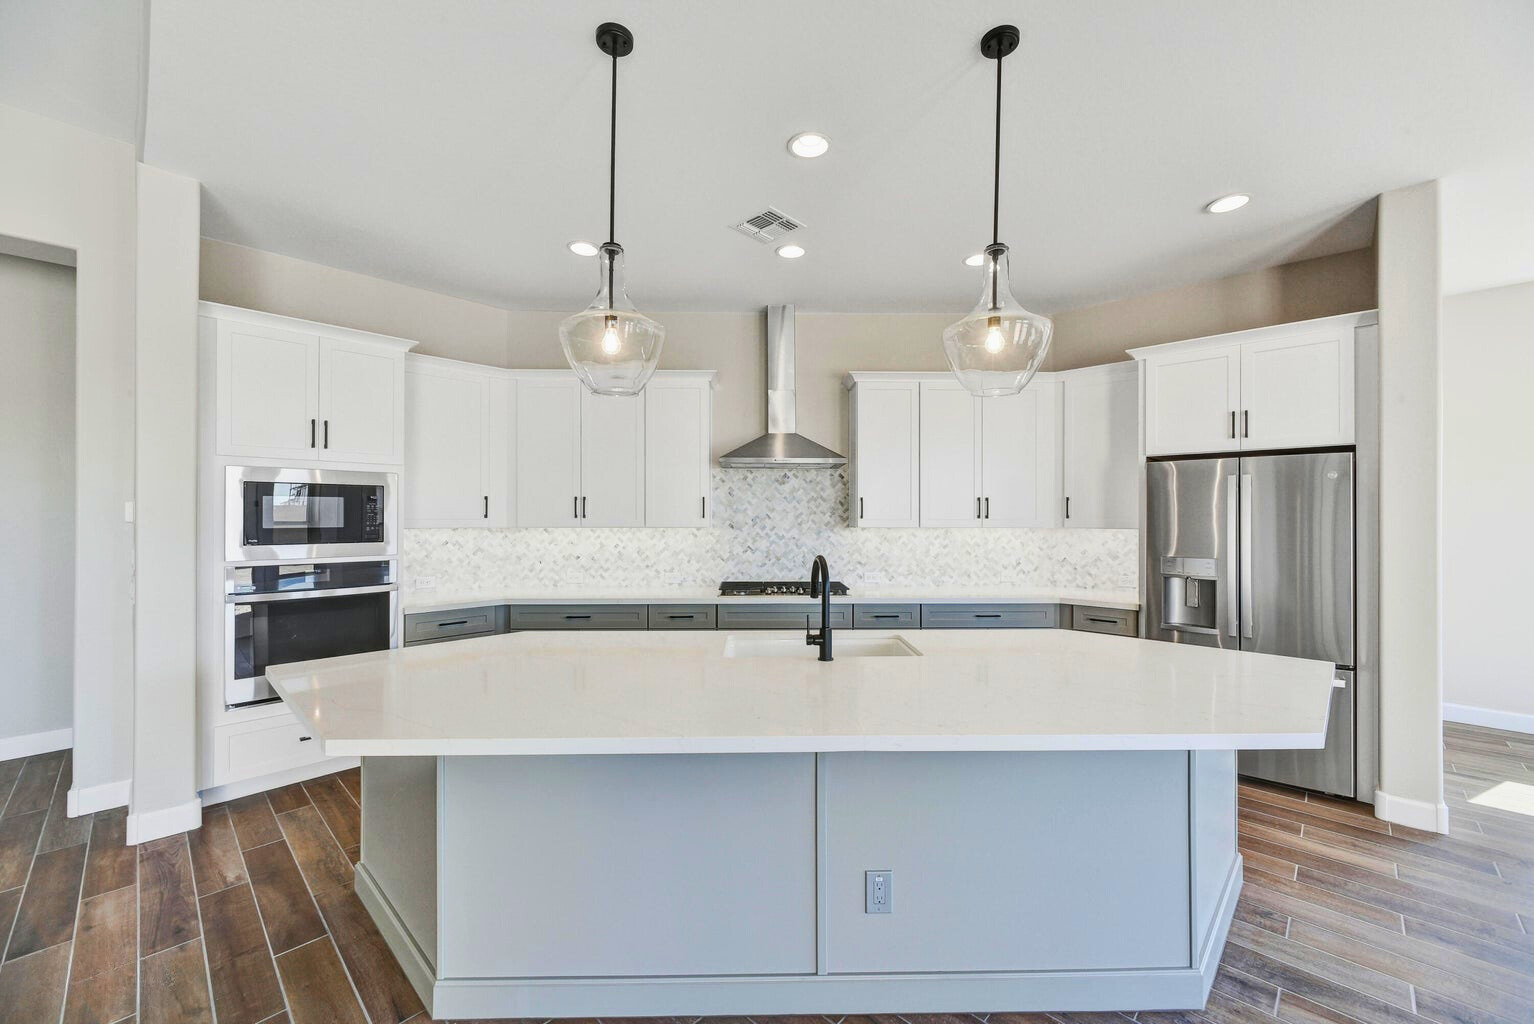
<point x="423" y="583"/>
<point x="878" y="892"/>
<point x="874" y="579"/>
<point x="671" y="579"/>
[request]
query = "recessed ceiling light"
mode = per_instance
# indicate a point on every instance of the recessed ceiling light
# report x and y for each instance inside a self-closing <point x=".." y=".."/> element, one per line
<point x="581" y="248"/>
<point x="975" y="260"/>
<point x="809" y="145"/>
<point x="790" y="252"/>
<point x="1225" y="204"/>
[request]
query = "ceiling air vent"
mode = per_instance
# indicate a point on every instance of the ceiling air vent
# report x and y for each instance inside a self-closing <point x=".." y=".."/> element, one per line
<point x="768" y="226"/>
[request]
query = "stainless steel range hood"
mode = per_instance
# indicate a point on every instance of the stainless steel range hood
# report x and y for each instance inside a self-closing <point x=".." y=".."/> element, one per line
<point x="781" y="445"/>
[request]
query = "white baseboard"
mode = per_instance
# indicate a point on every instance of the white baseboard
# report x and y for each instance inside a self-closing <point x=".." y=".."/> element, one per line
<point x="12" y="747"/>
<point x="89" y="799"/>
<point x="1469" y="714"/>
<point x="234" y="790"/>
<point x="1418" y="814"/>
<point x="166" y="822"/>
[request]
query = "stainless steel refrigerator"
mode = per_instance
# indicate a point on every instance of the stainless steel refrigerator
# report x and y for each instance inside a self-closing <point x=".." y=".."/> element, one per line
<point x="1257" y="554"/>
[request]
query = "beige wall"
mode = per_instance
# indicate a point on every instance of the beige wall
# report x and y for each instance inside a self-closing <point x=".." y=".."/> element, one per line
<point x="1487" y="493"/>
<point x="1324" y="286"/>
<point x="830" y="344"/>
<point x="1411" y="666"/>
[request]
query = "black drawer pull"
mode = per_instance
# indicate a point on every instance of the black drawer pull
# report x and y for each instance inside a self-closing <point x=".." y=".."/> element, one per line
<point x="887" y="616"/>
<point x="681" y="616"/>
<point x="1105" y="622"/>
<point x="305" y="739"/>
<point x="988" y="615"/>
<point x="577" y="616"/>
<point x="455" y="622"/>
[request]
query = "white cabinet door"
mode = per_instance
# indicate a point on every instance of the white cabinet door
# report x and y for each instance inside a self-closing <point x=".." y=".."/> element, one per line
<point x="455" y="445"/>
<point x="950" y="455"/>
<point x="612" y="460"/>
<point x="678" y="425"/>
<point x="1101" y="418"/>
<point x="1192" y="400"/>
<point x="268" y="392"/>
<point x="886" y="448"/>
<point x="1297" y="390"/>
<point x="1020" y="457"/>
<point x="362" y="401"/>
<point x="548" y="446"/>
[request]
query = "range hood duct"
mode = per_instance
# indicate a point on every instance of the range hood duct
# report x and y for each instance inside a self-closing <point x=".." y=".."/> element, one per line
<point x="781" y="445"/>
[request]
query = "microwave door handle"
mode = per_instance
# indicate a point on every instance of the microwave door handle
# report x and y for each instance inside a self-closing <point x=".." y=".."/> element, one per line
<point x="1248" y="612"/>
<point x="1232" y="539"/>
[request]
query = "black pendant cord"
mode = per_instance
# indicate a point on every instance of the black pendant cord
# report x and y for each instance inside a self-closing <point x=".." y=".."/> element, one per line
<point x="996" y="174"/>
<point x="612" y="155"/>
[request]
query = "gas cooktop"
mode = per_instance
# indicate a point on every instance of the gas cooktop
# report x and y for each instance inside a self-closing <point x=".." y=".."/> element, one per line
<point x="772" y="588"/>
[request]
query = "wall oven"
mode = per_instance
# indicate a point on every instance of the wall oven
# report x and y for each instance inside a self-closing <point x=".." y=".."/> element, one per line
<point x="273" y="514"/>
<point x="275" y="614"/>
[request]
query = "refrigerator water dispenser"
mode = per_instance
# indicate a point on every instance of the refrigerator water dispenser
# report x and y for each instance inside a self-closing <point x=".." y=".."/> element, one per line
<point x="1189" y="594"/>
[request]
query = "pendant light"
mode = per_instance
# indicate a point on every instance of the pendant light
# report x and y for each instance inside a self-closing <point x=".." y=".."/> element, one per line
<point x="612" y="347"/>
<point x="999" y="346"/>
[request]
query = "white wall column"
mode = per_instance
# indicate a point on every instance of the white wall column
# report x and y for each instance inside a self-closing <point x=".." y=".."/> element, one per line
<point x="1411" y="651"/>
<point x="164" y="799"/>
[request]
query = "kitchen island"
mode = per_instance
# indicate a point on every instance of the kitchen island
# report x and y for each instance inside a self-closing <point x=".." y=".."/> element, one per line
<point x="604" y="824"/>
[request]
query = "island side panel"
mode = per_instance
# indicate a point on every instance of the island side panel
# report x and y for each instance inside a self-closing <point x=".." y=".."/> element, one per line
<point x="616" y="865"/>
<point x="399" y="844"/>
<point x="1008" y="861"/>
<point x="1213" y="776"/>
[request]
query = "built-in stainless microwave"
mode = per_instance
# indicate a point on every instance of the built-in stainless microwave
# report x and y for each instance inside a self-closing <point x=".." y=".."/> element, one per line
<point x="273" y="514"/>
<point x="276" y="614"/>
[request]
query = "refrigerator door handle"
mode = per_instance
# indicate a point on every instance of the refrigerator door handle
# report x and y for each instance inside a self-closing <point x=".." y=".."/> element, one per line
<point x="1232" y="538"/>
<point x="1247" y="610"/>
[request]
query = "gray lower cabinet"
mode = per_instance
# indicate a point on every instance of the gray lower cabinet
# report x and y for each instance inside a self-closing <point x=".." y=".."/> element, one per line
<point x="1116" y="621"/>
<point x="453" y="624"/>
<point x="781" y="616"/>
<point x="682" y="616"/>
<point x="886" y="616"/>
<point x="990" y="616"/>
<point x="579" y="616"/>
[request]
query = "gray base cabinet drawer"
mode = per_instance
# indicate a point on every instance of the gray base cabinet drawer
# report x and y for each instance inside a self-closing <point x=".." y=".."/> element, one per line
<point x="579" y="616"/>
<point x="681" y="616"/>
<point x="886" y="616"/>
<point x="1118" y="621"/>
<point x="990" y="616"/>
<point x="426" y="627"/>
<point x="780" y="616"/>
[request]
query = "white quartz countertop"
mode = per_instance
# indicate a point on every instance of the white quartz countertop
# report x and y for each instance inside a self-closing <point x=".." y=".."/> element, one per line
<point x="677" y="692"/>
<point x="433" y="601"/>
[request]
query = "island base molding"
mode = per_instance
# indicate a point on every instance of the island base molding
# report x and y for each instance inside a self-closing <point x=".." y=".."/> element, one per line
<point x="673" y="885"/>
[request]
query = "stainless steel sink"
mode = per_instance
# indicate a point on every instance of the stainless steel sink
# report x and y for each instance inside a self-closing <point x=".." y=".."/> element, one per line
<point x="845" y="646"/>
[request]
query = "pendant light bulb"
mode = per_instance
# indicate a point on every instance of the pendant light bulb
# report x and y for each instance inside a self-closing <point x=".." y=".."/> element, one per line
<point x="999" y="346"/>
<point x="612" y="347"/>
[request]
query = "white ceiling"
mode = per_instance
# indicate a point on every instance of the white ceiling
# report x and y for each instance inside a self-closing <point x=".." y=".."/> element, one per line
<point x="76" y="61"/>
<point x="458" y="145"/>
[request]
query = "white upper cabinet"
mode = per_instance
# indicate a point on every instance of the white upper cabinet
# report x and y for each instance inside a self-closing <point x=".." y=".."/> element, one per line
<point x="1020" y="457"/>
<point x="457" y="434"/>
<point x="1289" y="386"/>
<point x="1297" y="390"/>
<point x="303" y="392"/>
<point x="677" y="438"/>
<point x="362" y="402"/>
<point x="612" y="460"/>
<point x="950" y="455"/>
<point x="268" y="392"/>
<point x="1192" y="401"/>
<point x="885" y="433"/>
<point x="1101" y="444"/>
<point x="548" y="446"/>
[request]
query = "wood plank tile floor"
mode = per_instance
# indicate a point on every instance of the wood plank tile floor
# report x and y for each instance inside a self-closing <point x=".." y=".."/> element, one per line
<point x="1344" y="919"/>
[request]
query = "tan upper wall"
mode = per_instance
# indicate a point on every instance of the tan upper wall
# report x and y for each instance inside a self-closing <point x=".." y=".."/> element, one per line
<point x="734" y="344"/>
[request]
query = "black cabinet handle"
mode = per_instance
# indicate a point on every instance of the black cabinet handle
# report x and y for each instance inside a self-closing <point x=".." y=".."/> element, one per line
<point x="1246" y="423"/>
<point x="703" y="508"/>
<point x="977" y="508"/>
<point x="487" y="506"/>
<point x="577" y="616"/>
<point x="1233" y="424"/>
<point x="1067" y="506"/>
<point x="583" y="506"/>
<point x="327" y="433"/>
<point x="988" y="508"/>
<point x="455" y="622"/>
<point x="575" y="507"/>
<point x="860" y="508"/>
<point x="305" y="739"/>
<point x="311" y="433"/>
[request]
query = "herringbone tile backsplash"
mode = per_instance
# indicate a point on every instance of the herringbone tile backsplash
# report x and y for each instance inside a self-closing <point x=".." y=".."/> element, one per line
<point x="769" y="524"/>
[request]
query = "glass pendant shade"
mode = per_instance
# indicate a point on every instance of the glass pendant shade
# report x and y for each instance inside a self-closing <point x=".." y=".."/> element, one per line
<point x="612" y="347"/>
<point x="999" y="346"/>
